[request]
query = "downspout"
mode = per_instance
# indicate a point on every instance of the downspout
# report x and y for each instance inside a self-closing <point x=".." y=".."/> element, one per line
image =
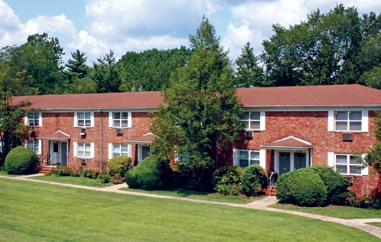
<point x="100" y="141"/>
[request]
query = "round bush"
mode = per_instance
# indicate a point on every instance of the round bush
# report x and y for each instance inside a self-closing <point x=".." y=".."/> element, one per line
<point x="336" y="184"/>
<point x="253" y="179"/>
<point x="21" y="160"/>
<point x="301" y="188"/>
<point x="118" y="165"/>
<point x="227" y="180"/>
<point x="150" y="174"/>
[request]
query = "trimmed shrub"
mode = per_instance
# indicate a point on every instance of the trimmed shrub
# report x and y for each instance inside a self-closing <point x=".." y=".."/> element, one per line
<point x="118" y="165"/>
<point x="335" y="183"/>
<point x="104" y="178"/>
<point x="227" y="180"/>
<point x="301" y="188"/>
<point x="150" y="174"/>
<point x="21" y="160"/>
<point x="253" y="179"/>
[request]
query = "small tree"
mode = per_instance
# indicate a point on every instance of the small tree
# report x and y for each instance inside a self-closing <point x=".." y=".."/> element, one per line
<point x="373" y="155"/>
<point x="12" y="130"/>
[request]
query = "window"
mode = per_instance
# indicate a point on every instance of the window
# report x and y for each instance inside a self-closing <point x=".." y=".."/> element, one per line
<point x="84" y="150"/>
<point x="84" y="119"/>
<point x="348" y="120"/>
<point x="347" y="165"/>
<point x="120" y="119"/>
<point x="248" y="157"/>
<point x="253" y="120"/>
<point x="33" y="119"/>
<point x="33" y="145"/>
<point x="119" y="150"/>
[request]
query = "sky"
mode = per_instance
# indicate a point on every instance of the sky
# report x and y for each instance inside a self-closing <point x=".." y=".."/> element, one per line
<point x="97" y="26"/>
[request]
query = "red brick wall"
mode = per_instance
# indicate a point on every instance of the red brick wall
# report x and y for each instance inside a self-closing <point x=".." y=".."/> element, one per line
<point x="65" y="122"/>
<point x="312" y="126"/>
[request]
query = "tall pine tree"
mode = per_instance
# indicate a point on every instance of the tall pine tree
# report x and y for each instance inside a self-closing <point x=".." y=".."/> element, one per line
<point x="201" y="105"/>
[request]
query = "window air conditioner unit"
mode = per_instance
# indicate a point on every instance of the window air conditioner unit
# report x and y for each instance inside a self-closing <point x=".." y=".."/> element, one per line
<point x="350" y="180"/>
<point x="32" y="129"/>
<point x="119" y="131"/>
<point x="249" y="134"/>
<point x="347" y="137"/>
<point x="83" y="131"/>
<point x="83" y="162"/>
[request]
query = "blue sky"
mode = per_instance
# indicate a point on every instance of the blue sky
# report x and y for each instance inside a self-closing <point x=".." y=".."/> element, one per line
<point x="96" y="26"/>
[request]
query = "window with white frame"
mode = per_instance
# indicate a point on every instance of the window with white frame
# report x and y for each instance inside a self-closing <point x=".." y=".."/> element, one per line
<point x="348" y="120"/>
<point x="84" y="150"/>
<point x="120" y="119"/>
<point x="248" y="157"/>
<point x="253" y="120"/>
<point x="119" y="150"/>
<point x="347" y="164"/>
<point x="84" y="119"/>
<point x="33" y="145"/>
<point x="33" y="119"/>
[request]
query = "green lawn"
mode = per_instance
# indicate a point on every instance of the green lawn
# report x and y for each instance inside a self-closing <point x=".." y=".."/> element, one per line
<point x="199" y="195"/>
<point x="83" y="181"/>
<point x="345" y="212"/>
<point x="42" y="212"/>
<point x="376" y="224"/>
<point x="4" y="173"/>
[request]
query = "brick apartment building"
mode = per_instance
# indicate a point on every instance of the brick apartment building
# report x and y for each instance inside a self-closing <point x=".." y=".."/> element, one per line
<point x="287" y="128"/>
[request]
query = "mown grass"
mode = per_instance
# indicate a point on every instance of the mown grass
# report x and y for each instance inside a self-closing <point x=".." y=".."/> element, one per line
<point x="345" y="212"/>
<point x="209" y="196"/>
<point x="375" y="224"/>
<point x="41" y="212"/>
<point x="83" y="181"/>
<point x="4" y="173"/>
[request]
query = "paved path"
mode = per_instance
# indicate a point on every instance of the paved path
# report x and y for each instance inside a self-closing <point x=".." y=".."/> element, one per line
<point x="262" y="204"/>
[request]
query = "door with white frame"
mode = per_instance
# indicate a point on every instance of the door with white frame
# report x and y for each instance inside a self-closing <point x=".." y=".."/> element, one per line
<point x="289" y="160"/>
<point x="144" y="150"/>
<point x="58" y="153"/>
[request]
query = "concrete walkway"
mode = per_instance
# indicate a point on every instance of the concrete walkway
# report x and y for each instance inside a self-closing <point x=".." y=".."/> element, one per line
<point x="262" y="204"/>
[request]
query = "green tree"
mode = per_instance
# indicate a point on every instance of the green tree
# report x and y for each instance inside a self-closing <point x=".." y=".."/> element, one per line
<point x="201" y="104"/>
<point x="106" y="74"/>
<point x="12" y="130"/>
<point x="150" y="70"/>
<point x="373" y="155"/>
<point x="248" y="74"/>
<point x="324" y="49"/>
<point x="76" y="67"/>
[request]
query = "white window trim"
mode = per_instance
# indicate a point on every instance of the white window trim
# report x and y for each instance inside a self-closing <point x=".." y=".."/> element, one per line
<point x="39" y="146"/>
<point x="91" y="119"/>
<point x="332" y="163"/>
<point x="111" y="119"/>
<point x="262" y="120"/>
<point x="91" y="150"/>
<point x="111" y="150"/>
<point x="26" y="122"/>
<point x="364" y="121"/>
<point x="262" y="157"/>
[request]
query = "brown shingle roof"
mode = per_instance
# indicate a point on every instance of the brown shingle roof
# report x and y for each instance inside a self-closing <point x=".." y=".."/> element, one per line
<point x="298" y="96"/>
<point x="122" y="100"/>
<point x="332" y="95"/>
